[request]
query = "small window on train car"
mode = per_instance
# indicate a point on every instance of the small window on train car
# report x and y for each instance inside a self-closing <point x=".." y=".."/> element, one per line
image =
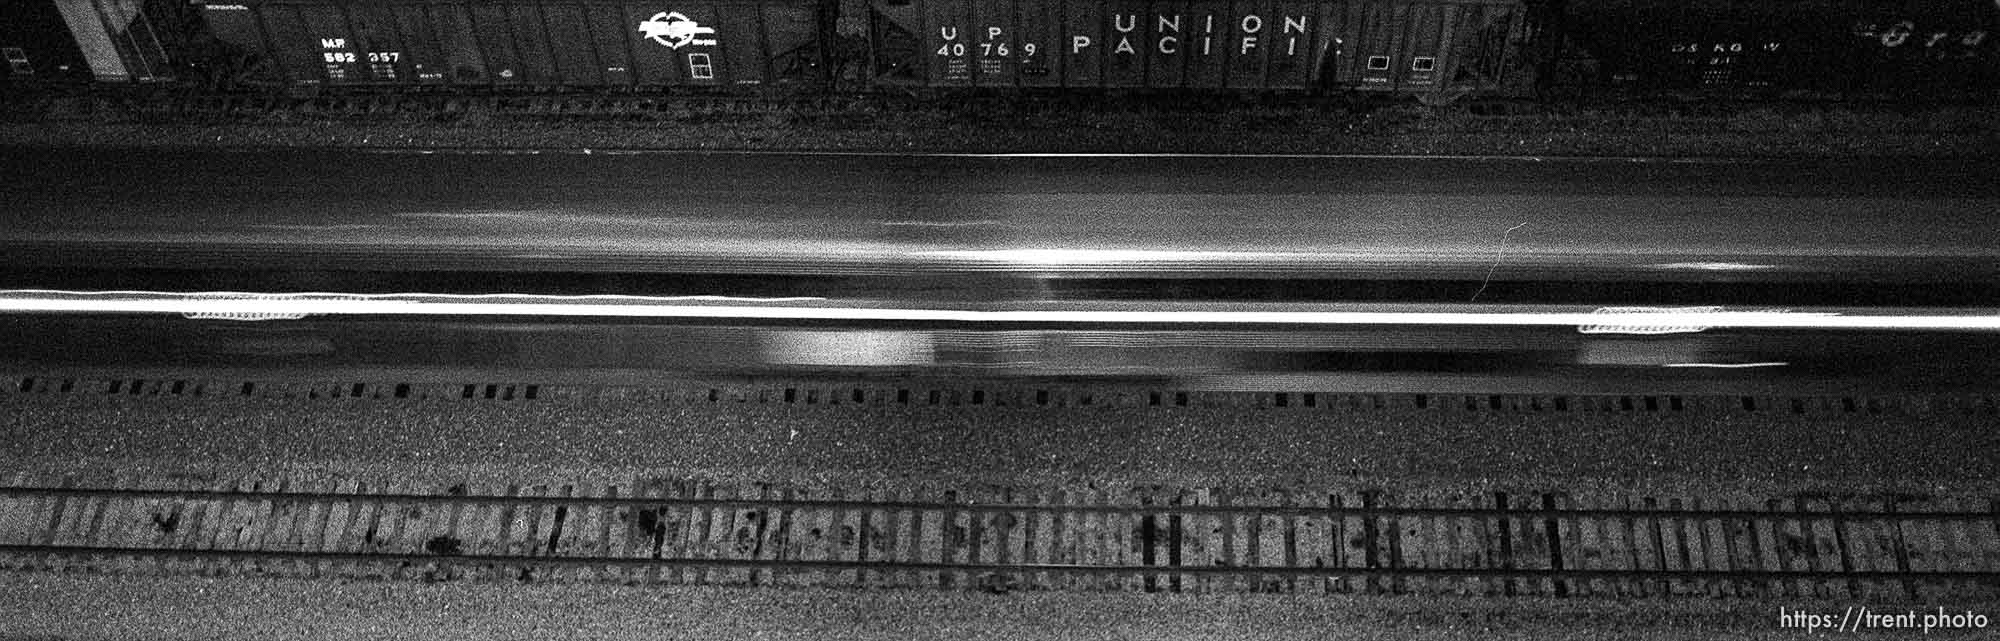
<point x="699" y="67"/>
<point x="1423" y="63"/>
<point x="1378" y="63"/>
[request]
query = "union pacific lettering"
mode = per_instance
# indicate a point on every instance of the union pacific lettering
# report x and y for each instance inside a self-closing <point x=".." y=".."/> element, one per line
<point x="1133" y="34"/>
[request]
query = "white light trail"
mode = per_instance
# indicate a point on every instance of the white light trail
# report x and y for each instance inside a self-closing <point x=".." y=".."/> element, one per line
<point x="240" y="304"/>
<point x="1059" y="257"/>
<point x="480" y="151"/>
<point x="346" y="227"/>
<point x="1728" y="365"/>
<point x="939" y="224"/>
<point x="8" y="295"/>
<point x="1653" y="328"/>
<point x="1714" y="266"/>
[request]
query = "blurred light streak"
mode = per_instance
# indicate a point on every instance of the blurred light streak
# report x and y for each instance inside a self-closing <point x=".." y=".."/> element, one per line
<point x="1728" y="365"/>
<point x="848" y="348"/>
<point x="525" y="305"/>
<point x="1061" y="257"/>
<point x="1655" y="328"/>
<point x="1714" y="267"/>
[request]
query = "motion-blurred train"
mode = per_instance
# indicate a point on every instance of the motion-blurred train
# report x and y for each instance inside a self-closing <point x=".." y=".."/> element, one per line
<point x="1426" y="48"/>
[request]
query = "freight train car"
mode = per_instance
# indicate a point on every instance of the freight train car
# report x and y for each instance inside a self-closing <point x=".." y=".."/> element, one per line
<point x="1433" y="49"/>
<point x="1424" y="46"/>
<point x="82" y="40"/>
<point x="1849" y="46"/>
<point x="523" y="43"/>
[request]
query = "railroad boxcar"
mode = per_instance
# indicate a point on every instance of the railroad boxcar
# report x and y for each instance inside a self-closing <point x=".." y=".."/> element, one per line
<point x="1865" y="46"/>
<point x="527" y="43"/>
<point x="1427" y="48"/>
<point x="1404" y="46"/>
<point x="82" y="40"/>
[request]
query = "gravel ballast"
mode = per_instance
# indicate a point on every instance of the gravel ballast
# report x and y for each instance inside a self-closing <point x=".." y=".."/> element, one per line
<point x="1393" y="447"/>
<point x="136" y="607"/>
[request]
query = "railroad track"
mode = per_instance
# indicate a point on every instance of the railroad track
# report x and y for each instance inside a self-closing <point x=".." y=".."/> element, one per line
<point x="1000" y="539"/>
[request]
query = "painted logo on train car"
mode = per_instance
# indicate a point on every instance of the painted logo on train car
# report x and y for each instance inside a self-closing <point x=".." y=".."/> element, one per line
<point x="675" y="30"/>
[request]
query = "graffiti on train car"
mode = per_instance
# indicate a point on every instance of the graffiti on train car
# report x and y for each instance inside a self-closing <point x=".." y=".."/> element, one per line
<point x="1908" y="39"/>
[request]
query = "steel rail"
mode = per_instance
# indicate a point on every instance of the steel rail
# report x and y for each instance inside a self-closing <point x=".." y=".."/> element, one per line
<point x="987" y="568"/>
